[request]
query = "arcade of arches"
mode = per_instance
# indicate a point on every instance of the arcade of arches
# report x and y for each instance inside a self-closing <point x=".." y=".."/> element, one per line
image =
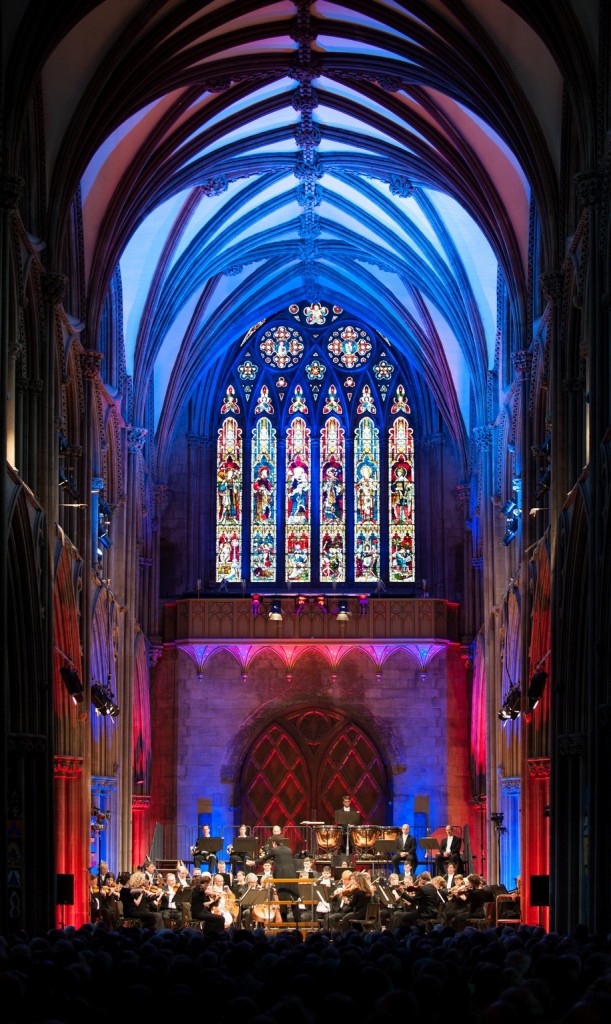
<point x="304" y="311"/>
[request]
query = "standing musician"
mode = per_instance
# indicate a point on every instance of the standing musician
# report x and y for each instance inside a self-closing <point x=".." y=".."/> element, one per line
<point x="356" y="896"/>
<point x="284" y="867"/>
<point x="347" y="808"/>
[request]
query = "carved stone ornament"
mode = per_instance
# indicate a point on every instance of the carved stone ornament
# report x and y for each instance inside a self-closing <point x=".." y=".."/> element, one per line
<point x="11" y="188"/>
<point x="53" y="287"/>
<point x="483" y="438"/>
<point x="539" y="768"/>
<point x="67" y="767"/>
<point x="552" y="286"/>
<point x="588" y="187"/>
<point x="399" y="185"/>
<point x="512" y="786"/>
<point x="140" y="802"/>
<point x="522" y="363"/>
<point x="136" y="436"/>
<point x="572" y="744"/>
<point x="91" y="364"/>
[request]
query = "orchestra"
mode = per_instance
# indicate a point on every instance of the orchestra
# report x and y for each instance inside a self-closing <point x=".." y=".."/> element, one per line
<point x="328" y="888"/>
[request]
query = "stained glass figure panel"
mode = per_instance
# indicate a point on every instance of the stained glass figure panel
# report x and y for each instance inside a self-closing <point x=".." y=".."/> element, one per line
<point x="401" y="502"/>
<point x="298" y="502"/>
<point x="366" y="502"/>
<point x="332" y="502"/>
<point x="229" y="502"/>
<point x="263" y="516"/>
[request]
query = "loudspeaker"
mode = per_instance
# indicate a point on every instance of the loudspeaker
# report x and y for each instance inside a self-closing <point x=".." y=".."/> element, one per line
<point x="64" y="890"/>
<point x="539" y="890"/>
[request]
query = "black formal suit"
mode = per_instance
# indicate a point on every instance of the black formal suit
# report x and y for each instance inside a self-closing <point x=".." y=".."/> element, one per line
<point x="284" y="867"/>
<point x="355" y="910"/>
<point x="422" y="905"/>
<point x="200" y="910"/>
<point x="406" y="851"/>
<point x="441" y="860"/>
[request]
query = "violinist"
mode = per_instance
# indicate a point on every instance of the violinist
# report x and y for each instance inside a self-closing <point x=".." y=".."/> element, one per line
<point x="422" y="903"/>
<point x="109" y="900"/>
<point x="202" y="904"/>
<point x="388" y="895"/>
<point x="141" y="901"/>
<point x="451" y="876"/>
<point x="357" y="894"/>
<point x="468" y="901"/>
<point x="170" y="906"/>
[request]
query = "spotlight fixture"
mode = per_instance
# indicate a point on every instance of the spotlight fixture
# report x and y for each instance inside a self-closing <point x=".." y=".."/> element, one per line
<point x="321" y="603"/>
<point x="511" y="705"/>
<point x="73" y="683"/>
<point x="511" y="512"/>
<point x="275" y="614"/>
<point x="255" y="604"/>
<point x="343" y="615"/>
<point x="364" y="603"/>
<point x="509" y="508"/>
<point x="536" y="688"/>
<point x="103" y="699"/>
<point x="300" y="604"/>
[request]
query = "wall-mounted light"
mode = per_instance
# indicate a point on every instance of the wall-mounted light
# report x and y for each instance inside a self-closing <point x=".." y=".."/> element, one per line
<point x="255" y="604"/>
<point x="275" y="614"/>
<point x="300" y="604"/>
<point x="73" y="683"/>
<point x="321" y="603"/>
<point x="511" y="705"/>
<point x="103" y="699"/>
<point x="343" y="615"/>
<point x="511" y="511"/>
<point x="364" y="603"/>
<point x="536" y="688"/>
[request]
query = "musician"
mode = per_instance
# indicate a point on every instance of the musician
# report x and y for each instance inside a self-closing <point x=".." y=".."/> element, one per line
<point x="171" y="901"/>
<point x="357" y="896"/>
<point x="237" y="859"/>
<point x="152" y="873"/>
<point x="246" y="919"/>
<point x="277" y="834"/>
<point x="221" y="869"/>
<point x="449" y="850"/>
<point x="139" y="902"/>
<point x="306" y="869"/>
<point x="387" y="895"/>
<point x="451" y="875"/>
<point x="201" y="853"/>
<point x="104" y="898"/>
<point x="182" y="875"/>
<point x="406" y="851"/>
<point x="420" y="904"/>
<point x="468" y="901"/>
<point x="284" y="867"/>
<point x="347" y="808"/>
<point x="323" y="888"/>
<point x="239" y="885"/>
<point x="267" y="875"/>
<point x="202" y="904"/>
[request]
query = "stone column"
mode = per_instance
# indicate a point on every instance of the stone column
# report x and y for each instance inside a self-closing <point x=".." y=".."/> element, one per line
<point x="71" y="834"/>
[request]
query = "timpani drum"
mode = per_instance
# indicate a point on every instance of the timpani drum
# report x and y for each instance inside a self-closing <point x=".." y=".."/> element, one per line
<point x="390" y="833"/>
<point x="364" y="837"/>
<point x="328" y="838"/>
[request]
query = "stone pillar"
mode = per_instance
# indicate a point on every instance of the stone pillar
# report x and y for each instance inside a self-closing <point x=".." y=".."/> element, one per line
<point x="140" y="828"/>
<point x="71" y="835"/>
<point x="535" y="824"/>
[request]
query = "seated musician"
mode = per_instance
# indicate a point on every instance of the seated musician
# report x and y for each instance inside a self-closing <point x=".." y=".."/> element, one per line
<point x="246" y="918"/>
<point x="201" y="853"/>
<point x="421" y="903"/>
<point x="405" y="851"/>
<point x="140" y="902"/>
<point x="388" y="892"/>
<point x="239" y="885"/>
<point x="467" y="901"/>
<point x="356" y="897"/>
<point x="306" y="870"/>
<point x="324" y="886"/>
<point x="449" y="850"/>
<point x="272" y="840"/>
<point x="238" y="858"/>
<point x="202" y="905"/>
<point x="170" y="906"/>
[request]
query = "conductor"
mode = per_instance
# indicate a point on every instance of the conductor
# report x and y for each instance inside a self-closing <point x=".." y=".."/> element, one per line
<point x="284" y="867"/>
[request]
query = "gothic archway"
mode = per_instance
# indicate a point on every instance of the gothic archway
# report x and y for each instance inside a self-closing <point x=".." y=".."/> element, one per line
<point x="300" y="764"/>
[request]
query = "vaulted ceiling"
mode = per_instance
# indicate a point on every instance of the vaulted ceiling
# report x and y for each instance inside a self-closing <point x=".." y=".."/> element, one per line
<point x="235" y="157"/>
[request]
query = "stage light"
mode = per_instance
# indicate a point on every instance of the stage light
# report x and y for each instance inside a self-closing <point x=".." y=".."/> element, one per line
<point x="300" y="603"/>
<point x="275" y="614"/>
<point x="343" y="615"/>
<point x="364" y="603"/>
<point x="509" y="508"/>
<point x="103" y="699"/>
<point x="73" y="684"/>
<point x="321" y="603"/>
<point x="536" y="688"/>
<point x="511" y="705"/>
<point x="255" y="604"/>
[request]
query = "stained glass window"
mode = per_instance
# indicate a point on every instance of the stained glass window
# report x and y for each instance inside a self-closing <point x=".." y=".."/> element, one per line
<point x="229" y="503"/>
<point x="366" y="502"/>
<point x="332" y="502"/>
<point x="401" y="502"/>
<point x="315" y="423"/>
<point x="263" y="525"/>
<point x="298" y="502"/>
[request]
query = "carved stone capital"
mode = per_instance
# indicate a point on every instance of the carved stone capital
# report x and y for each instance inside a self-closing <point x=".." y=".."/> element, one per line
<point x="539" y="767"/>
<point x="511" y="787"/>
<point x="91" y="364"/>
<point x="97" y="484"/>
<point x="552" y="285"/>
<point x="53" y="287"/>
<point x="588" y="187"/>
<point x="522" y="364"/>
<point x="136" y="436"/>
<point x="67" y="767"/>
<point x="482" y="437"/>
<point x="11" y="188"/>
<point x="140" y="802"/>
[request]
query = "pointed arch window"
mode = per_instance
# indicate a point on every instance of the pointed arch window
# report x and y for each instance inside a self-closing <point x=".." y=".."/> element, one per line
<point x="315" y="455"/>
<point x="229" y="502"/>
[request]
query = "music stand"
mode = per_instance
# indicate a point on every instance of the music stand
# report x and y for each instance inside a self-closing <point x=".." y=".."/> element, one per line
<point x="215" y="843"/>
<point x="428" y="845"/>
<point x="247" y="845"/>
<point x="251" y="898"/>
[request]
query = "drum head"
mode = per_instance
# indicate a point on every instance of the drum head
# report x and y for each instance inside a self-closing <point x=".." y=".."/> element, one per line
<point x="328" y="837"/>
<point x="365" y="837"/>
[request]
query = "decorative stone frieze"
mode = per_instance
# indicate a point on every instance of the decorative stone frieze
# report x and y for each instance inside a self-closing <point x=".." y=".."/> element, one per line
<point x="67" y="767"/>
<point x="539" y="767"/>
<point x="91" y="364"/>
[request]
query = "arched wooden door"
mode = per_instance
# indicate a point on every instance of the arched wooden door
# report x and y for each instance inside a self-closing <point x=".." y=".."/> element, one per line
<point x="299" y="766"/>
